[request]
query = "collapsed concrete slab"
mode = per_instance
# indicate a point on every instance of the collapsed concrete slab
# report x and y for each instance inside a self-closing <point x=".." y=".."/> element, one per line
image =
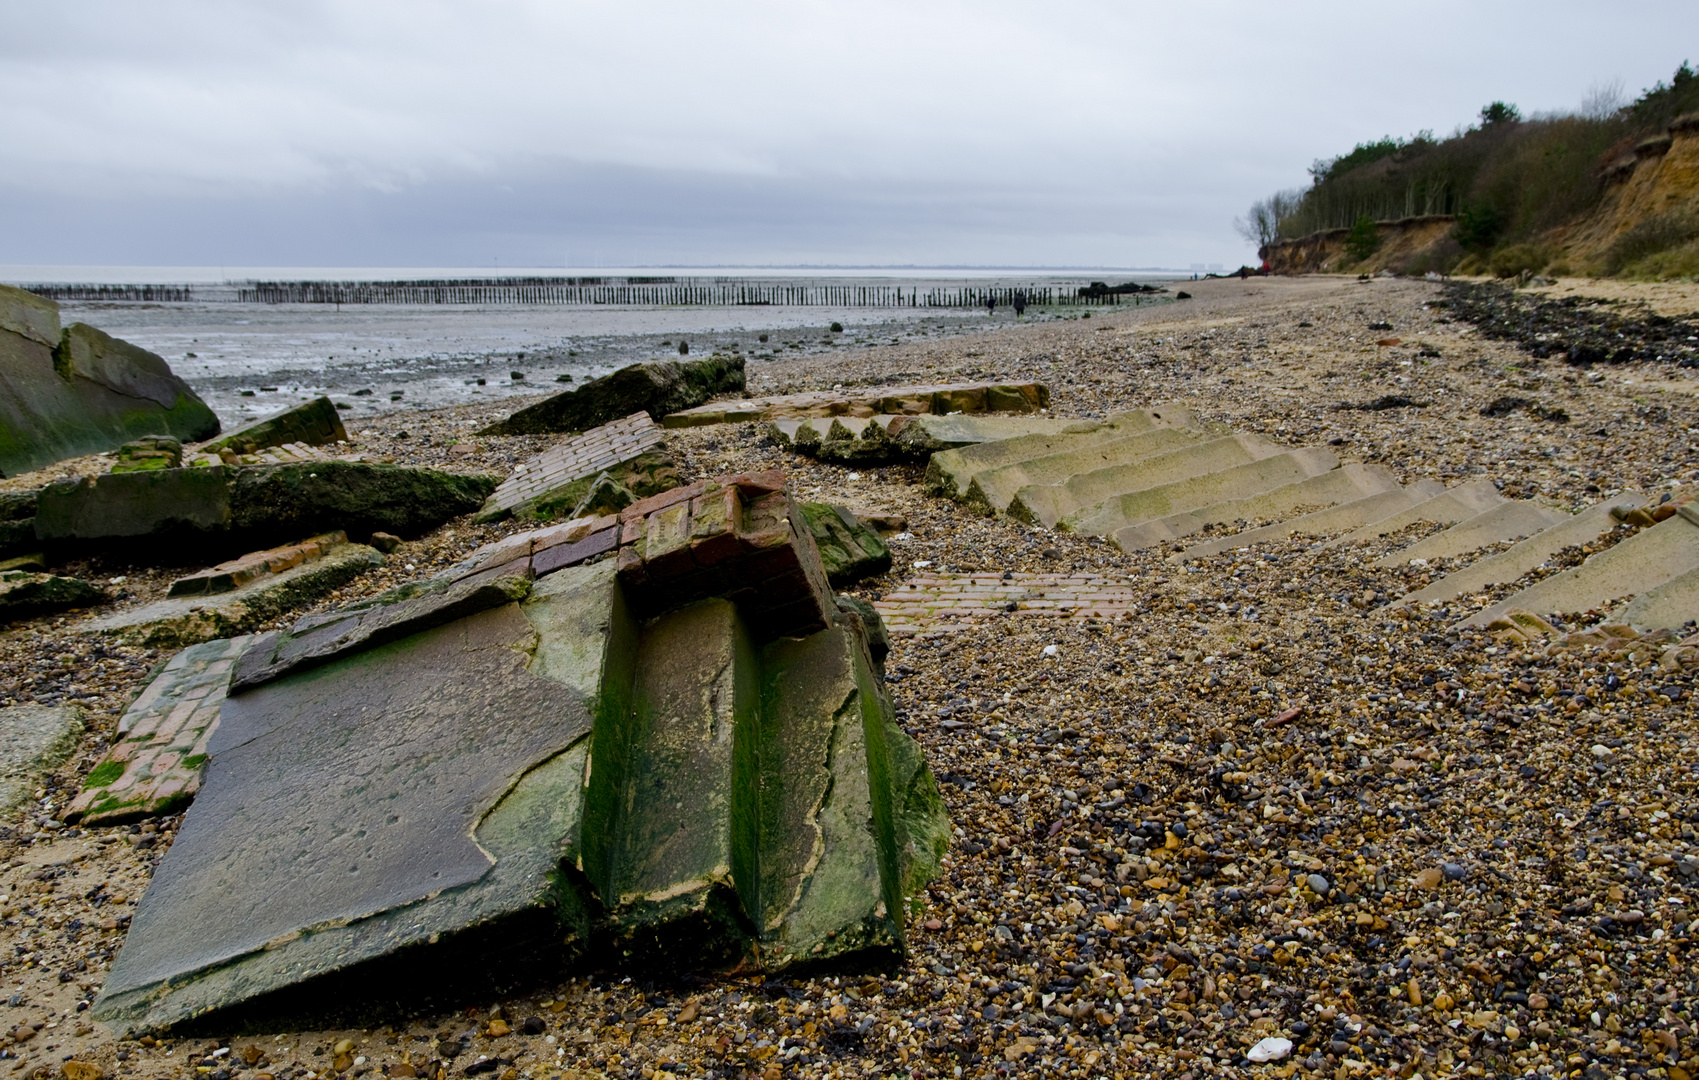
<point x="154" y="766"/>
<point x="849" y="550"/>
<point x="70" y="391"/>
<point x="884" y="437"/>
<point x="229" y="508"/>
<point x="313" y="423"/>
<point x="613" y="739"/>
<point x="34" y="740"/>
<point x="938" y="399"/>
<point x="242" y="595"/>
<point x="629" y="452"/>
<point x="660" y="389"/>
<point x="24" y="593"/>
<point x="148" y="454"/>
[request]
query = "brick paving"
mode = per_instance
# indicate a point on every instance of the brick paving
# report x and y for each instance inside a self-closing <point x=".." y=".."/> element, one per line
<point x="232" y="575"/>
<point x="155" y="766"/>
<point x="578" y="458"/>
<point x="943" y="603"/>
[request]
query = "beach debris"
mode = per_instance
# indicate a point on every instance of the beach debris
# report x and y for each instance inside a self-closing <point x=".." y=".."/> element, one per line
<point x="34" y="740"/>
<point x="752" y="804"/>
<point x="849" y="549"/>
<point x="311" y="423"/>
<point x="69" y="391"/>
<point x="938" y="399"/>
<point x="658" y="388"/>
<point x="630" y="452"/>
<point x="24" y="593"/>
<point x="149" y="453"/>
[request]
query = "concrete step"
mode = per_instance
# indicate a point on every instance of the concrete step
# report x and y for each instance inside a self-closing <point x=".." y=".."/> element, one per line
<point x="1669" y="606"/>
<point x="1345" y="484"/>
<point x="1238" y="482"/>
<point x="951" y="473"/>
<point x="1634" y="567"/>
<point x="1344" y="516"/>
<point x="1512" y="563"/>
<point x="1448" y="508"/>
<point x="1513" y="520"/>
<point x="1048" y="504"/>
<point x="996" y="490"/>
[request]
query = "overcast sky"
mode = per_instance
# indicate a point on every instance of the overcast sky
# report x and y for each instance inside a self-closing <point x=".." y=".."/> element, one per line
<point x="529" y="133"/>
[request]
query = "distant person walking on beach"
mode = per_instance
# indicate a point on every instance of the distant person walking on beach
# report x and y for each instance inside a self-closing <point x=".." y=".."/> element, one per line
<point x="1020" y="304"/>
<point x="991" y="305"/>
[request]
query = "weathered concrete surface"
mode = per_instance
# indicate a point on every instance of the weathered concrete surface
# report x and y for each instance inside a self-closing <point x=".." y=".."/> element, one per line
<point x="1507" y="521"/>
<point x="64" y="393"/>
<point x="1513" y="562"/>
<point x="849" y="550"/>
<point x="1043" y="458"/>
<point x="17" y="522"/>
<point x="232" y="575"/>
<point x="659" y="389"/>
<point x="149" y="453"/>
<point x="1448" y="508"/>
<point x="1669" y="606"/>
<point x="1349" y="515"/>
<point x="903" y="437"/>
<point x="24" y="593"/>
<point x="313" y="423"/>
<point x="1237" y="482"/>
<point x="557" y="482"/>
<point x="154" y="767"/>
<point x="34" y="740"/>
<point x="938" y="399"/>
<point x="184" y="620"/>
<point x="228" y="508"/>
<point x="1347" y="483"/>
<point x="534" y="781"/>
<point x="1635" y="566"/>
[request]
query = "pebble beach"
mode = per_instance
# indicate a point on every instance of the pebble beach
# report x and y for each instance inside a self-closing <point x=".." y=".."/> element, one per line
<point x="1253" y="819"/>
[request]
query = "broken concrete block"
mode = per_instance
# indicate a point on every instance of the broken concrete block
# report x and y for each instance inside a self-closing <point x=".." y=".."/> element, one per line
<point x="554" y="778"/>
<point x="657" y="388"/>
<point x="34" y="740"/>
<point x="871" y="401"/>
<point x="64" y="393"/>
<point x="149" y="453"/>
<point x="154" y="767"/>
<point x="23" y="593"/>
<point x="556" y="482"/>
<point x="849" y="550"/>
<point x="228" y="508"/>
<point x="313" y="423"/>
<point x="184" y="620"/>
<point x="232" y="575"/>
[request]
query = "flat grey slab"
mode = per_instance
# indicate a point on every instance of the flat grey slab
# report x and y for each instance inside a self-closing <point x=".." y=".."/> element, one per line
<point x="34" y="740"/>
<point x="339" y="793"/>
<point x="1512" y="563"/>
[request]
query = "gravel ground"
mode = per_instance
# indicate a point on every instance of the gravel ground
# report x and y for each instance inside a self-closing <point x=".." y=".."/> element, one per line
<point x="1267" y="806"/>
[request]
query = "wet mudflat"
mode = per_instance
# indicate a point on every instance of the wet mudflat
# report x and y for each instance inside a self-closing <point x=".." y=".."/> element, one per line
<point x="1265" y="806"/>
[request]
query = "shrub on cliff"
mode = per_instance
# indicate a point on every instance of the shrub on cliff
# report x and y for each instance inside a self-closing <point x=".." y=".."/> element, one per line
<point x="1363" y="239"/>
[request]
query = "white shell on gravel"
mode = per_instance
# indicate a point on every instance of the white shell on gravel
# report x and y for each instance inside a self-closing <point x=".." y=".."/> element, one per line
<point x="1272" y="1048"/>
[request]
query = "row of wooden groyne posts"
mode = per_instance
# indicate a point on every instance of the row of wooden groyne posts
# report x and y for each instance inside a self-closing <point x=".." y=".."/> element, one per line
<point x="658" y="292"/>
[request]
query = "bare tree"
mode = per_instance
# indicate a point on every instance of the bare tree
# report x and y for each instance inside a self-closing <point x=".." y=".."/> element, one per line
<point x="1603" y="100"/>
<point x="1261" y="224"/>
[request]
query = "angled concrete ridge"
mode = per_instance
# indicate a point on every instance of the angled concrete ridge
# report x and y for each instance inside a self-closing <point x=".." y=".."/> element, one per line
<point x="1236" y="482"/>
<point x="1344" y="516"/>
<point x="994" y="490"/>
<point x="1513" y="562"/>
<point x="1347" y="483"/>
<point x="1669" y="606"/>
<point x="1511" y="520"/>
<point x="1047" y="504"/>
<point x="951" y="472"/>
<point x="1447" y="508"/>
<point x="1633" y="567"/>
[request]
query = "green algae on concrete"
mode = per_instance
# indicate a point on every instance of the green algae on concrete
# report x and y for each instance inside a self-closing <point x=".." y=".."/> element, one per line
<point x="849" y="550"/>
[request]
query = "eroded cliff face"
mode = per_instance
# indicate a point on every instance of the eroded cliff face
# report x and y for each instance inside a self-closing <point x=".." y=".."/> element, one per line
<point x="1650" y="204"/>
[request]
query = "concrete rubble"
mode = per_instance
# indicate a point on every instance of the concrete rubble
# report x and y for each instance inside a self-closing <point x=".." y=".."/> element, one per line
<point x="69" y="391"/>
<point x="630" y="452"/>
<point x="312" y="423"/>
<point x="937" y="399"/>
<point x="660" y="388"/>
<point x="38" y="738"/>
<point x="655" y="738"/>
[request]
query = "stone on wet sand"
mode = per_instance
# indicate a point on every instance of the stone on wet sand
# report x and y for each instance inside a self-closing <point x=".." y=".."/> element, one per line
<point x="659" y="389"/>
<point x="312" y="423"/>
<point x="34" y="740"/>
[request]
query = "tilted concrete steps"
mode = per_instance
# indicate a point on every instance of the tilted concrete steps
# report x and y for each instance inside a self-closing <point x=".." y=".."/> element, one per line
<point x="1347" y="483"/>
<point x="1454" y="505"/>
<point x="1238" y="482"/>
<point x="1668" y="606"/>
<point x="1512" y="520"/>
<point x="952" y="473"/>
<point x="1512" y="563"/>
<point x="1048" y="504"/>
<point x="1637" y="566"/>
<point x="1344" y="516"/>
